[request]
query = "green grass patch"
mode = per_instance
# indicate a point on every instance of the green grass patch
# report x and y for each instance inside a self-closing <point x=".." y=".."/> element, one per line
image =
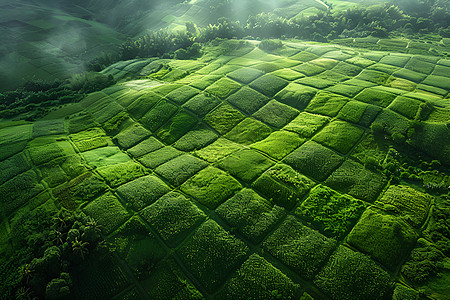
<point x="48" y="127"/>
<point x="359" y="113"/>
<point x="419" y="65"/>
<point x="306" y="124"/>
<point x="316" y="82"/>
<point x="159" y="156"/>
<point x="304" y="56"/>
<point x="267" y="67"/>
<point x="269" y="84"/>
<point x="276" y="114"/>
<point x="177" y="170"/>
<point x="245" y="164"/>
<point x="326" y="63"/>
<point x="302" y="249"/>
<point x="176" y="127"/>
<point x="211" y="254"/>
<point x="439" y="115"/>
<point x="388" y="69"/>
<point x="158" y="115"/>
<point x="182" y="94"/>
<point x="258" y="279"/>
<point x="296" y="95"/>
<point x="224" y="118"/>
<point x="314" y="160"/>
<point x="173" y="216"/>
<point x="309" y="69"/>
<point x="288" y="74"/>
<point x="143" y="104"/>
<point x="405" y="106"/>
<point x="252" y="215"/>
<point x="433" y="139"/>
<point x="149" y="145"/>
<point x="9" y="149"/>
<point x="354" y="179"/>
<point x="90" y="139"/>
<point x="131" y="136"/>
<point x="218" y="150"/>
<point x="286" y="62"/>
<point x="203" y="81"/>
<point x="376" y="77"/>
<point x="392" y="122"/>
<point x="107" y="211"/>
<point x="105" y="156"/>
<point x="201" y="104"/>
<point x="384" y="237"/>
<point x="334" y="214"/>
<point x="165" y="89"/>
<point x="340" y="136"/>
<point x="50" y="151"/>
<point x="438" y="81"/>
<point x="360" y="61"/>
<point x="398" y="60"/>
<point x="283" y="185"/>
<point x="127" y="97"/>
<point x="279" y="144"/>
<point x="411" y="205"/>
<point x="376" y="97"/>
<point x="80" y="122"/>
<point x="441" y="71"/>
<point x="195" y="139"/>
<point x="326" y="103"/>
<point x="223" y="88"/>
<point x="12" y="166"/>
<point x="347" y="69"/>
<point x="52" y="174"/>
<point x="211" y="186"/>
<point x="248" y="100"/>
<point x="143" y="191"/>
<point x="245" y="75"/>
<point x="248" y="132"/>
<point x="409" y="75"/>
<point x="353" y="275"/>
<point x="119" y="174"/>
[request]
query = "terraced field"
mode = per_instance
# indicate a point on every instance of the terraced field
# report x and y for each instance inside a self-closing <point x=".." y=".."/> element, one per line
<point x="315" y="171"/>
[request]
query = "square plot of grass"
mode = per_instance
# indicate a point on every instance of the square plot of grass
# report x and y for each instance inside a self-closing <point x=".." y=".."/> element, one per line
<point x="326" y="103"/>
<point x="105" y="156"/>
<point x="223" y="88"/>
<point x="340" y="136"/>
<point x="182" y="94"/>
<point x="107" y="211"/>
<point x="347" y="69"/>
<point x="309" y="69"/>
<point x="12" y="166"/>
<point x="173" y="216"/>
<point x="246" y="164"/>
<point x="176" y="127"/>
<point x="353" y="275"/>
<point x="316" y="82"/>
<point x="354" y="179"/>
<point x="306" y="124"/>
<point x="195" y="139"/>
<point x="211" y="254"/>
<point x="334" y="214"/>
<point x="218" y="150"/>
<point x="269" y="84"/>
<point x="267" y="67"/>
<point x="142" y="191"/>
<point x="283" y="185"/>
<point x="388" y="69"/>
<point x="360" y="61"/>
<point x="359" y="113"/>
<point x="118" y="174"/>
<point x="177" y="170"/>
<point x="332" y="76"/>
<point x="248" y="131"/>
<point x="48" y="127"/>
<point x="46" y="153"/>
<point x="202" y="81"/>
<point x="257" y="279"/>
<point x="419" y="65"/>
<point x="211" y="186"/>
<point x="313" y="159"/>
<point x="296" y="95"/>
<point x="131" y="136"/>
<point x="158" y="115"/>
<point x="412" y="205"/>
<point x="224" y="118"/>
<point x="251" y="214"/>
<point x="392" y="122"/>
<point x="149" y="145"/>
<point x="376" y="97"/>
<point x="143" y="104"/>
<point x="279" y="144"/>
<point x="395" y="60"/>
<point x="160" y="156"/>
<point x="441" y="71"/>
<point x="304" y="56"/>
<point x="276" y="114"/>
<point x="410" y="75"/>
<point x="201" y="104"/>
<point x="438" y="81"/>
<point x="90" y="139"/>
<point x="376" y="77"/>
<point x="302" y="249"/>
<point x="406" y="106"/>
<point x="288" y="74"/>
<point x="248" y="100"/>
<point x="386" y="238"/>
<point x="245" y="75"/>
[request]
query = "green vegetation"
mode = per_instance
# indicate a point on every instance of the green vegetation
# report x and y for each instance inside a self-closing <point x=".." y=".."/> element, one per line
<point x="352" y="275"/>
<point x="223" y="88"/>
<point x="333" y="213"/>
<point x="121" y="173"/>
<point x="176" y="127"/>
<point x="212" y="253"/>
<point x="173" y="216"/>
<point x="306" y="125"/>
<point x="224" y="118"/>
<point x="268" y="84"/>
<point x="211" y="186"/>
<point x="131" y="136"/>
<point x="248" y="131"/>
<point x="279" y="144"/>
<point x="196" y="138"/>
<point x="218" y="150"/>
<point x="159" y="156"/>
<point x="158" y="115"/>
<point x="276" y="114"/>
<point x="340" y="136"/>
<point x="149" y="145"/>
<point x="89" y="139"/>
<point x="283" y="186"/>
<point x="248" y="100"/>
<point x="252" y="215"/>
<point x="201" y="104"/>
<point x="177" y="170"/>
<point x="325" y="103"/>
